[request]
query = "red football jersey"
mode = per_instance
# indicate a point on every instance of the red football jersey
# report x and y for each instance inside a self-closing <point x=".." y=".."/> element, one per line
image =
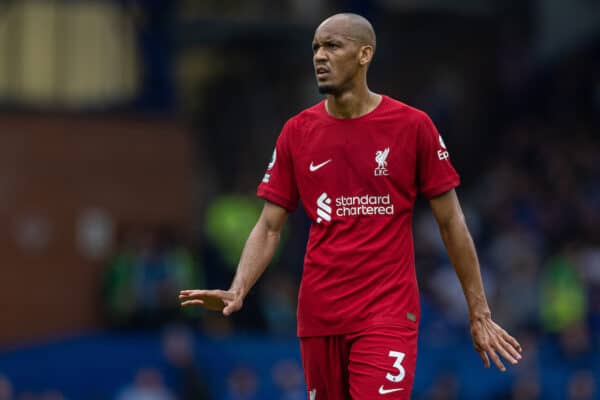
<point x="358" y="180"/>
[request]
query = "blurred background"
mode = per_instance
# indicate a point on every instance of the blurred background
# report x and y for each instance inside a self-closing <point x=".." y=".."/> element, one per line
<point x="133" y="135"/>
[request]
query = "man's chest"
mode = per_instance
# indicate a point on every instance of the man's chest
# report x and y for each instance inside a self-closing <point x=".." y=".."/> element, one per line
<point x="356" y="162"/>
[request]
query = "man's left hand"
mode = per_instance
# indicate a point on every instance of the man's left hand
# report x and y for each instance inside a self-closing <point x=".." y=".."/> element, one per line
<point x="490" y="340"/>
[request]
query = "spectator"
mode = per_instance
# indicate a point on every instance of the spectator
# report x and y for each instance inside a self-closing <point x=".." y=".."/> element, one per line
<point x="289" y="379"/>
<point x="119" y="297"/>
<point x="6" y="389"/>
<point x="52" y="395"/>
<point x="444" y="387"/>
<point x="575" y="343"/>
<point x="148" y="385"/>
<point x="178" y="348"/>
<point x="582" y="385"/>
<point x="526" y="388"/>
<point x="563" y="298"/>
<point x="278" y="298"/>
<point x="144" y="276"/>
<point x="242" y="384"/>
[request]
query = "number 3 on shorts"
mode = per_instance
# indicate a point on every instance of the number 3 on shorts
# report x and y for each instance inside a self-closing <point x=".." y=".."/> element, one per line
<point x="398" y="365"/>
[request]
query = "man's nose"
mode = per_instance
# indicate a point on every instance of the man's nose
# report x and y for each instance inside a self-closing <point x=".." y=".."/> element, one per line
<point x="320" y="55"/>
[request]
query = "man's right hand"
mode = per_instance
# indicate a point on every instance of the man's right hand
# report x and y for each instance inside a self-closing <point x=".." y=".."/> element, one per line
<point x="226" y="301"/>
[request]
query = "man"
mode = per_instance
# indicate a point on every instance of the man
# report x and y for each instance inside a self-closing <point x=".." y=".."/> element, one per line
<point x="357" y="161"/>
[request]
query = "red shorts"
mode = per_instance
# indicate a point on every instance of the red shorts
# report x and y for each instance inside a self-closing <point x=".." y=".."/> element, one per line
<point x="376" y="363"/>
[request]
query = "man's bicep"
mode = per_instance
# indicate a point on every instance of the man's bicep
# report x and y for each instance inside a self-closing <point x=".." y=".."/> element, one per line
<point x="445" y="207"/>
<point x="273" y="216"/>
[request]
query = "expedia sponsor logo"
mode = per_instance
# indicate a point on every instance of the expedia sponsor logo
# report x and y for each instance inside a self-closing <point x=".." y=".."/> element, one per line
<point x="350" y="206"/>
<point x="443" y="154"/>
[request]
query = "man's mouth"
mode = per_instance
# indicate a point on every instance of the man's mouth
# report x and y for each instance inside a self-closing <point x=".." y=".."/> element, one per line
<point x="322" y="72"/>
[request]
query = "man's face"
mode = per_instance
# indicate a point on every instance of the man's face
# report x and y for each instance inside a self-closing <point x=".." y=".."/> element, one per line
<point x="335" y="59"/>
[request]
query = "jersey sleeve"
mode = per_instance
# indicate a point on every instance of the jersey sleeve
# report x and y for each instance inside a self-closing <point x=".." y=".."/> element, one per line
<point x="436" y="175"/>
<point x="279" y="184"/>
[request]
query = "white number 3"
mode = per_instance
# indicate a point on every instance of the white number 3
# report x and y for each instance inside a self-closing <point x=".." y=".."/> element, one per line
<point x="398" y="365"/>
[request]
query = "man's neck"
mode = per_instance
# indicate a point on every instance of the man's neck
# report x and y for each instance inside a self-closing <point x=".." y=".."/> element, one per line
<point x="352" y="104"/>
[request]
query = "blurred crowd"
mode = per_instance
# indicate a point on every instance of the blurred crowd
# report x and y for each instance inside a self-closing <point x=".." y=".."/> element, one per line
<point x="143" y="277"/>
<point x="534" y="217"/>
<point x="176" y="373"/>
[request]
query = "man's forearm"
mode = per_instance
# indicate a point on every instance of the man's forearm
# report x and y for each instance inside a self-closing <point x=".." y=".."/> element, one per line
<point x="463" y="257"/>
<point x="488" y="337"/>
<point x="258" y="252"/>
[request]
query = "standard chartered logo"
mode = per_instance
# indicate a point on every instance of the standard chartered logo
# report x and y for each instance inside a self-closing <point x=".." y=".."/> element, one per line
<point x="323" y="208"/>
<point x="363" y="205"/>
<point x="347" y="206"/>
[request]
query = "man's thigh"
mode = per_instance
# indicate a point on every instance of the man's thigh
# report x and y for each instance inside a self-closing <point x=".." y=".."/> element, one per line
<point x="325" y="362"/>
<point x="382" y="363"/>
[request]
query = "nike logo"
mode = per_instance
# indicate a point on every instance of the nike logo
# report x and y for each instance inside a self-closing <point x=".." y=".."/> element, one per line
<point x="388" y="391"/>
<point x="313" y="168"/>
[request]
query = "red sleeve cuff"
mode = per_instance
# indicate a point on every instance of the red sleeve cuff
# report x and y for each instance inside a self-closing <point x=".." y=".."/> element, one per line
<point x="276" y="198"/>
<point x="441" y="188"/>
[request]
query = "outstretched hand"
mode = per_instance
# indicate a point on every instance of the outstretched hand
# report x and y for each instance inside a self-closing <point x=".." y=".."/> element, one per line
<point x="489" y="339"/>
<point x="226" y="301"/>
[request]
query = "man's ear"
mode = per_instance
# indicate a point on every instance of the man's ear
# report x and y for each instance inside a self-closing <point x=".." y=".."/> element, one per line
<point x="365" y="54"/>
